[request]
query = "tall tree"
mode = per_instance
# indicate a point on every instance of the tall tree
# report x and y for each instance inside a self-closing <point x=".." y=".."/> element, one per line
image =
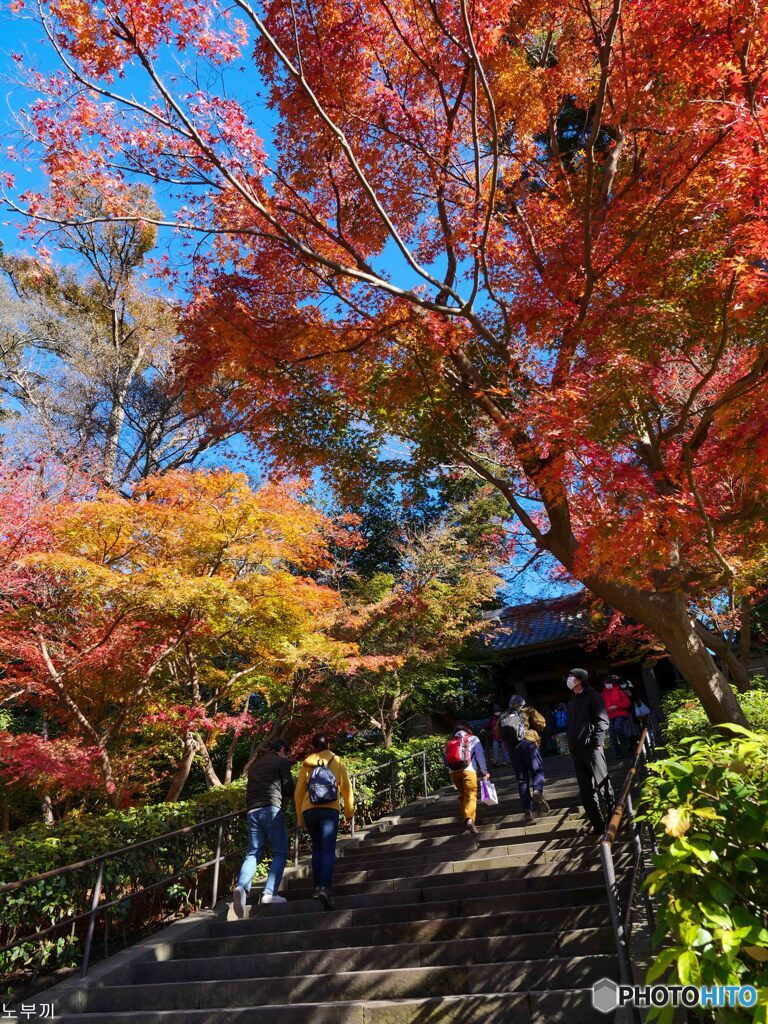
<point x="87" y="351"/>
<point x="527" y="238"/>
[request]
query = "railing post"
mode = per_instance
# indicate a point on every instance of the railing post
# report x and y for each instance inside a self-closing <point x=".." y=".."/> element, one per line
<point x="296" y="845"/>
<point x="625" y="965"/>
<point x="637" y="834"/>
<point x="216" y="867"/>
<point x="352" y="782"/>
<point x="424" y="769"/>
<point x="92" y="917"/>
<point x="393" y="784"/>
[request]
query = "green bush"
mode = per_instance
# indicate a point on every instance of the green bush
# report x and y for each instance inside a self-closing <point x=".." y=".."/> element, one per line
<point x="684" y="715"/>
<point x="708" y="802"/>
<point x="37" y="849"/>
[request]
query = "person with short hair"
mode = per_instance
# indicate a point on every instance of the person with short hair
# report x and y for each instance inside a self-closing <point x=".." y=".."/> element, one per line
<point x="522" y="727"/>
<point x="269" y="787"/>
<point x="465" y="759"/>
<point x="322" y="784"/>
<point x="586" y="730"/>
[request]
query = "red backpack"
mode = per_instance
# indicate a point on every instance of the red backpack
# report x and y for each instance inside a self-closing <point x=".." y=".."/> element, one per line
<point x="457" y="753"/>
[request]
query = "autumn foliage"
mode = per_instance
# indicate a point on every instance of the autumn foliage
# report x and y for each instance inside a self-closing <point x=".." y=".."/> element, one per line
<point x="527" y="237"/>
<point x="140" y="626"/>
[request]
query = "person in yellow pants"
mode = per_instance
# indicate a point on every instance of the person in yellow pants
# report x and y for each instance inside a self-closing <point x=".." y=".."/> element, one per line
<point x="465" y="759"/>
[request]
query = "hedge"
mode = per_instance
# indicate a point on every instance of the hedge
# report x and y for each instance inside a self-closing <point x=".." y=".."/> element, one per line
<point x="684" y="715"/>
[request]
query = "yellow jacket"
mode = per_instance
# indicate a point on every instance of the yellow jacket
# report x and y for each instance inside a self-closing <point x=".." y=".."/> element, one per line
<point x="336" y="765"/>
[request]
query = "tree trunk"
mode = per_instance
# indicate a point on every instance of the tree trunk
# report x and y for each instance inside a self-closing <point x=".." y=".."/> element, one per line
<point x="46" y="805"/>
<point x="665" y="613"/>
<point x="698" y="668"/>
<point x="185" y="767"/>
<point x="112" y="440"/>
<point x="209" y="771"/>
<point x="233" y="744"/>
<point x="745" y="633"/>
<point x="109" y="778"/>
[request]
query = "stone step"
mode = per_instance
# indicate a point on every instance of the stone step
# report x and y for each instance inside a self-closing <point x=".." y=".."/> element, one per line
<point x="448" y="812"/>
<point x="568" y="1006"/>
<point x="456" y="841"/>
<point x="496" y="947"/>
<point x="498" y="894"/>
<point x="464" y="849"/>
<point x="419" y="982"/>
<point x="406" y="831"/>
<point x="501" y="868"/>
<point x="490" y="859"/>
<point x="241" y="939"/>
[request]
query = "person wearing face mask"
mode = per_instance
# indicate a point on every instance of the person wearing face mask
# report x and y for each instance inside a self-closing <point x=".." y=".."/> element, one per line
<point x="619" y="708"/>
<point x="586" y="729"/>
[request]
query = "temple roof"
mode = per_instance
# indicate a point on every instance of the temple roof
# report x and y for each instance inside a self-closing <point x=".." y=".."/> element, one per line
<point x="561" y="621"/>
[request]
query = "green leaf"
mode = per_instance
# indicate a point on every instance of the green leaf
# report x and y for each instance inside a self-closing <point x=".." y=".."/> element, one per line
<point x="745" y="863"/>
<point x="688" y="968"/>
<point x="719" y="890"/>
<point x="662" y="963"/>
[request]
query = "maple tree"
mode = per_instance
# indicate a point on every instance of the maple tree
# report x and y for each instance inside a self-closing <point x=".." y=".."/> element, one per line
<point x="411" y="628"/>
<point x="159" y="613"/>
<point x="527" y="238"/>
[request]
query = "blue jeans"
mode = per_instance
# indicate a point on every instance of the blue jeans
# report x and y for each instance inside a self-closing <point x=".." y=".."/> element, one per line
<point x="528" y="766"/>
<point x="618" y="731"/>
<point x="265" y="825"/>
<point x="322" y="823"/>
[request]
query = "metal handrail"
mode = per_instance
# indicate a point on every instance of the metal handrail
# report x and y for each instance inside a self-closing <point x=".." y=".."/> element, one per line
<point x="393" y="766"/>
<point x="100" y="860"/>
<point x="112" y="854"/>
<point x="622" y="923"/>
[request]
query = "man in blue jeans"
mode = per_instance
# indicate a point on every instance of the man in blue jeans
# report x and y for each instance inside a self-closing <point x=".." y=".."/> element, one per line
<point x="270" y="786"/>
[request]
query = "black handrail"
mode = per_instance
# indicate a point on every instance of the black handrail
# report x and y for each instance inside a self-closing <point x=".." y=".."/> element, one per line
<point x="622" y="924"/>
<point x="112" y="854"/>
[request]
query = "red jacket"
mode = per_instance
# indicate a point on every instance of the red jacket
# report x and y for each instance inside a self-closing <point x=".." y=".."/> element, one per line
<point x="617" y="703"/>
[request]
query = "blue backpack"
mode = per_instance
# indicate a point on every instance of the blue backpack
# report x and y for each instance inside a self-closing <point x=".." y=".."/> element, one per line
<point x="323" y="787"/>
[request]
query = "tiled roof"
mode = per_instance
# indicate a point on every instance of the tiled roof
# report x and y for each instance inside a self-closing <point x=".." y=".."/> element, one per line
<point x="539" y="624"/>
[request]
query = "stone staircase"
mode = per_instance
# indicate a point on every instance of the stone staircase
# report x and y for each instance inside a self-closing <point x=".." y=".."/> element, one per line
<point x="432" y="925"/>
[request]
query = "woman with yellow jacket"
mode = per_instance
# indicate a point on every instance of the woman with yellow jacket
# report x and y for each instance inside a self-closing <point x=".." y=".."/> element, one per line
<point x="322" y="781"/>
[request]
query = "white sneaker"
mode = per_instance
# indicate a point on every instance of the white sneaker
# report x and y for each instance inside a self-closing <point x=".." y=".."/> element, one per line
<point x="240" y="900"/>
<point x="273" y="897"/>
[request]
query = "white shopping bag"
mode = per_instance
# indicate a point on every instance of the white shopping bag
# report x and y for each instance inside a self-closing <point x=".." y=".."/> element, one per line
<point x="488" y="793"/>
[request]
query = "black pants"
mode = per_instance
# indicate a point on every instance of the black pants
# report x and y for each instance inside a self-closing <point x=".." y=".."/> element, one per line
<point x="594" y="785"/>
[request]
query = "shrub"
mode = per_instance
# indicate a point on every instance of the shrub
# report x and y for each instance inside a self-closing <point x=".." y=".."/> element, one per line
<point x="684" y="715"/>
<point x="709" y="803"/>
<point x="37" y="849"/>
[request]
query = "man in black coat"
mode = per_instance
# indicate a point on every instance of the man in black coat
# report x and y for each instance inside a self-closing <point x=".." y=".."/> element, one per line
<point x="586" y="731"/>
<point x="270" y="787"/>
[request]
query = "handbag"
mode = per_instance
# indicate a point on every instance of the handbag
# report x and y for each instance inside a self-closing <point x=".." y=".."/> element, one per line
<point x="488" y="792"/>
<point x="641" y="710"/>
